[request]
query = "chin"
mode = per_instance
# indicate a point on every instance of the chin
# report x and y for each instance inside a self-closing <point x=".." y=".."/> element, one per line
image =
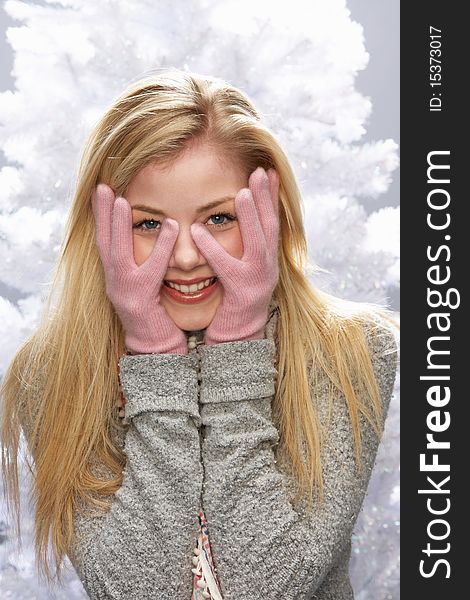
<point x="189" y="319"/>
<point x="192" y="317"/>
<point x="192" y="324"/>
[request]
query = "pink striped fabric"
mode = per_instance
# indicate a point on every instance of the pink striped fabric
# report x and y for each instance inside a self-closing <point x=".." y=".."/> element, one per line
<point x="205" y="582"/>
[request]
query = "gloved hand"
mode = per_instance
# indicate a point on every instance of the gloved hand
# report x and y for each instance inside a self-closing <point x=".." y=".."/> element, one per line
<point x="135" y="290"/>
<point x="248" y="283"/>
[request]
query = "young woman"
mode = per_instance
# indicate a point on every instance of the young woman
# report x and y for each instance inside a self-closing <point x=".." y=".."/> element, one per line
<point x="187" y="382"/>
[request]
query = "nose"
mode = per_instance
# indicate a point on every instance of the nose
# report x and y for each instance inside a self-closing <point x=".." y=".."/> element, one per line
<point x="186" y="255"/>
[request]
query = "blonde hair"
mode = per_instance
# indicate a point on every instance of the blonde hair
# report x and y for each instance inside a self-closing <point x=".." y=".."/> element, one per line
<point x="62" y="384"/>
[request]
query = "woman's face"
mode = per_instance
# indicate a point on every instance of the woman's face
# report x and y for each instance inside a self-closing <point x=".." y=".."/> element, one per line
<point x="182" y="192"/>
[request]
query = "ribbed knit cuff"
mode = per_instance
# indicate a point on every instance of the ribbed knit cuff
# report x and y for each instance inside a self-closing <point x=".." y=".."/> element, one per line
<point x="160" y="382"/>
<point x="234" y="371"/>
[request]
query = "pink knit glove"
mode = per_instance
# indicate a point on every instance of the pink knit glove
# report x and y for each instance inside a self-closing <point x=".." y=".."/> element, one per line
<point x="135" y="291"/>
<point x="248" y="283"/>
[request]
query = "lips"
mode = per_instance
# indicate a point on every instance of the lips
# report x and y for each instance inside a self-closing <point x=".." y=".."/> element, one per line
<point x="190" y="297"/>
<point x="189" y="285"/>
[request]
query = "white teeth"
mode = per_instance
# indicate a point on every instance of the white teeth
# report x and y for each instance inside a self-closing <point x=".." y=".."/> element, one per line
<point x="194" y="287"/>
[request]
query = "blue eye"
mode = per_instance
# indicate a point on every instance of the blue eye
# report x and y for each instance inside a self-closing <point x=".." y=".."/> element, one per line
<point x="218" y="216"/>
<point x="150" y="225"/>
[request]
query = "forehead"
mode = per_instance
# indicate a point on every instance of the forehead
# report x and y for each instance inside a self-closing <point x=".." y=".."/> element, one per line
<point x="198" y="176"/>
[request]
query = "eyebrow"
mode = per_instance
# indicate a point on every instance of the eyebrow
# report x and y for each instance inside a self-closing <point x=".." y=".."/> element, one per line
<point x="201" y="209"/>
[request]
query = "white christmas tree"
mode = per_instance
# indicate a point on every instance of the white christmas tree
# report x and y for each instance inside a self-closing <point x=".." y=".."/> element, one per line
<point x="297" y="61"/>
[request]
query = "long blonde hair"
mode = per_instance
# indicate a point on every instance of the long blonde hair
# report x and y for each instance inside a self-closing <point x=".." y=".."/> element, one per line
<point x="62" y="384"/>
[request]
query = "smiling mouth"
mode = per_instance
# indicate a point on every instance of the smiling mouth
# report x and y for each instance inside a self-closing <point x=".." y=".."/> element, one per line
<point x="193" y="288"/>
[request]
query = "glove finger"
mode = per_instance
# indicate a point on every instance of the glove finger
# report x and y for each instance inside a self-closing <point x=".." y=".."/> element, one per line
<point x="156" y="265"/>
<point x="102" y="202"/>
<point x="251" y="230"/>
<point x="122" y="243"/>
<point x="222" y="263"/>
<point x="262" y="186"/>
<point x="273" y="177"/>
<point x="274" y="189"/>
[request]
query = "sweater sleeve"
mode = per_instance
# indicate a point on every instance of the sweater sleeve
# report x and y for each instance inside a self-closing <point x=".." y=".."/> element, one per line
<point x="142" y="547"/>
<point x="262" y="547"/>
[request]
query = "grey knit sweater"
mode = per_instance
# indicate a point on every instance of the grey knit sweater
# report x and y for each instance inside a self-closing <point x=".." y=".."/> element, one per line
<point x="201" y="435"/>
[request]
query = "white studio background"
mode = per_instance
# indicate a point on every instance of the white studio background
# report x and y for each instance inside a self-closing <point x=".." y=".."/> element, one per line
<point x="375" y="556"/>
